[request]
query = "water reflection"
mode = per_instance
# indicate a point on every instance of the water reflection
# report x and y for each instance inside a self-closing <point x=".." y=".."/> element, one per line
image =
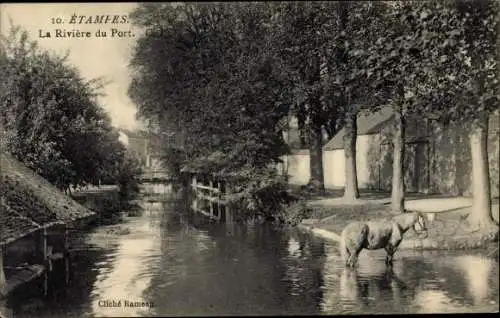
<point x="75" y="301"/>
<point x="210" y="273"/>
<point x="127" y="276"/>
<point x="476" y="270"/>
<point x="155" y="188"/>
<point x="187" y="265"/>
<point x="419" y="282"/>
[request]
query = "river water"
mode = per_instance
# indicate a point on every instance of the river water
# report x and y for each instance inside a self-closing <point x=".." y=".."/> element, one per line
<point x="174" y="263"/>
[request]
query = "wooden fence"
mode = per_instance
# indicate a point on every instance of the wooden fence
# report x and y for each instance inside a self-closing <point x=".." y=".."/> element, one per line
<point x="210" y="199"/>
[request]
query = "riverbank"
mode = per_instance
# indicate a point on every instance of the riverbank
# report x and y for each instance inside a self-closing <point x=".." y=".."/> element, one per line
<point x="106" y="203"/>
<point x="447" y="225"/>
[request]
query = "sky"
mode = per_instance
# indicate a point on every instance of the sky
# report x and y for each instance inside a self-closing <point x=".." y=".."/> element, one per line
<point x="95" y="56"/>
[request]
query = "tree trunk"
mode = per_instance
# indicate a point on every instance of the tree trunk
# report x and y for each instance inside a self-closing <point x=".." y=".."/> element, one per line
<point x="481" y="216"/>
<point x="351" y="191"/>
<point x="3" y="282"/>
<point x="301" y="121"/>
<point x="316" y="121"/>
<point x="398" y="185"/>
<point x="317" y="181"/>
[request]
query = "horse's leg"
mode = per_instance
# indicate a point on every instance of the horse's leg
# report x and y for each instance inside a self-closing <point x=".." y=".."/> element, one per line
<point x="355" y="254"/>
<point x="349" y="251"/>
<point x="359" y="245"/>
<point x="354" y="258"/>
<point x="390" y="253"/>
<point x="347" y="255"/>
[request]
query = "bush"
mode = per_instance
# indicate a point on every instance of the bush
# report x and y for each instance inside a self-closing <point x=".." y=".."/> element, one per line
<point x="262" y="198"/>
<point x="108" y="205"/>
<point x="297" y="211"/>
<point x="51" y="119"/>
<point x="128" y="177"/>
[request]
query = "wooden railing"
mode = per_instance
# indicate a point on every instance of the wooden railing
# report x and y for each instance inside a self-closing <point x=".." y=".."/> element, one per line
<point x="210" y="200"/>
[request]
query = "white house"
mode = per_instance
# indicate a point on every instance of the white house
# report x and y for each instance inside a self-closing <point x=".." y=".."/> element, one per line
<point x="123" y="138"/>
<point x="297" y="163"/>
<point x="369" y="127"/>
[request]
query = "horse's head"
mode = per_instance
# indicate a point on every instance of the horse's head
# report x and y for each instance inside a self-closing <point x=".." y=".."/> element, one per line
<point x="419" y="224"/>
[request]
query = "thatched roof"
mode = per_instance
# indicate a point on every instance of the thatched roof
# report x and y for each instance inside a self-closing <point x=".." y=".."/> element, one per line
<point x="33" y="197"/>
<point x="14" y="225"/>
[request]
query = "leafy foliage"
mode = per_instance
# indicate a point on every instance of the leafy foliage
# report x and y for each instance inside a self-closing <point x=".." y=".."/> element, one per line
<point x="223" y="78"/>
<point x="51" y="119"/>
<point x="213" y="80"/>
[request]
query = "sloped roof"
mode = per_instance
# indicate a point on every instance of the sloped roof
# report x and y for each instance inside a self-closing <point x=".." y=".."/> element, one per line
<point x="25" y="204"/>
<point x="30" y="195"/>
<point x="368" y="123"/>
<point x="13" y="225"/>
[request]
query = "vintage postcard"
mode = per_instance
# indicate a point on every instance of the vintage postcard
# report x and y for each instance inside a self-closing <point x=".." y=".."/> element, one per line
<point x="249" y="158"/>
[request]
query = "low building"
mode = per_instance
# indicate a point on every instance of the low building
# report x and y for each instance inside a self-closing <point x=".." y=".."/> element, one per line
<point x="35" y="221"/>
<point x="296" y="164"/>
<point x="437" y="156"/>
<point x="23" y="248"/>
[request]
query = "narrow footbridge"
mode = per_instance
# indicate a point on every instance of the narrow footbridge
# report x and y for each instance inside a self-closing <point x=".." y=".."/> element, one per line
<point x="149" y="175"/>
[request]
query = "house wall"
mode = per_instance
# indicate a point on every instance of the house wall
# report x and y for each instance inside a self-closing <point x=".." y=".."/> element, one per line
<point x="367" y="153"/>
<point x="367" y="148"/>
<point x="296" y="165"/>
<point x="493" y="158"/>
<point x="440" y="163"/>
<point x="334" y="168"/>
<point x="449" y="162"/>
<point x="451" y="168"/>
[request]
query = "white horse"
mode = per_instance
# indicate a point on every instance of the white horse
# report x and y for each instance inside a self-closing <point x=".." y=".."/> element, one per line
<point x="374" y="235"/>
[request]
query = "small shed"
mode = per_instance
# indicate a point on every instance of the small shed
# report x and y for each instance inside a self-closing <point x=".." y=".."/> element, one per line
<point x="23" y="247"/>
<point x="35" y="220"/>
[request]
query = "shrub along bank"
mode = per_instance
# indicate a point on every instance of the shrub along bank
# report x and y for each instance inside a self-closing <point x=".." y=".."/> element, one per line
<point x="108" y="204"/>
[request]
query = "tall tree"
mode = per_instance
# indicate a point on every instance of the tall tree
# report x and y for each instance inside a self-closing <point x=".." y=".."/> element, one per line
<point x="351" y="191"/>
<point x="478" y="96"/>
<point x="414" y="60"/>
<point x="220" y="82"/>
<point x="51" y="116"/>
<point x="351" y="48"/>
<point x="304" y="32"/>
